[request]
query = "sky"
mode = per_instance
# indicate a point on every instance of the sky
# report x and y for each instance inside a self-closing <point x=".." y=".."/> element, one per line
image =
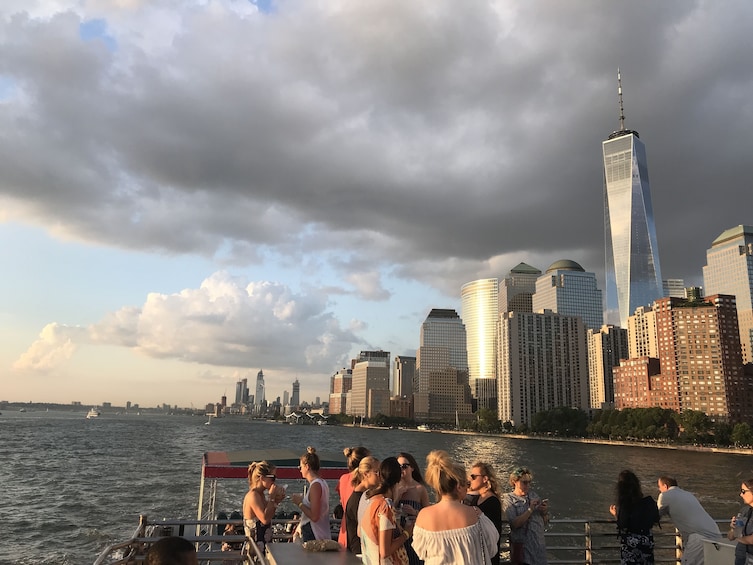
<point x="194" y="190"/>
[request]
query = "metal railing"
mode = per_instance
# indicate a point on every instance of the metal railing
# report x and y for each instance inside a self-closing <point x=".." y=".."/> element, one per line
<point x="568" y="541"/>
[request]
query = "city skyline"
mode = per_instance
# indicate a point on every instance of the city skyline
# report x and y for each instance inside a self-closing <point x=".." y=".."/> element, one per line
<point x="194" y="191"/>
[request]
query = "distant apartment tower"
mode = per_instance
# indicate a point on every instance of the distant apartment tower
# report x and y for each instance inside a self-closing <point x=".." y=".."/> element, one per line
<point x="699" y="348"/>
<point x="402" y="376"/>
<point x="370" y="384"/>
<point x="341" y="383"/>
<point x="633" y="273"/>
<point x="259" y="397"/>
<point x="673" y="287"/>
<point x="295" y="397"/>
<point x="699" y="365"/>
<point x="567" y="289"/>
<point x="642" y="337"/>
<point x="729" y="270"/>
<point x="516" y="290"/>
<point x="479" y="310"/>
<point x="241" y="392"/>
<point x="543" y="364"/>
<point x="285" y="398"/>
<point x="606" y="347"/>
<point x="442" y="391"/>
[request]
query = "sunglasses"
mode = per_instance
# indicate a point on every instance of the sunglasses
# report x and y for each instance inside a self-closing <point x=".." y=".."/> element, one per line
<point x="404" y="466"/>
<point x="474" y="477"/>
<point x="272" y="478"/>
<point x="744" y="490"/>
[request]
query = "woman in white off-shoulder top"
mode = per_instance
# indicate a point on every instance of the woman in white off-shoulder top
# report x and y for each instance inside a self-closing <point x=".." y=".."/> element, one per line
<point x="449" y="532"/>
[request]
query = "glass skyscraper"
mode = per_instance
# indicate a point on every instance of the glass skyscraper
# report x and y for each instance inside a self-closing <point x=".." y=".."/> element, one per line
<point x="729" y="270"/>
<point x="566" y="288"/>
<point x="633" y="274"/>
<point x="480" y="312"/>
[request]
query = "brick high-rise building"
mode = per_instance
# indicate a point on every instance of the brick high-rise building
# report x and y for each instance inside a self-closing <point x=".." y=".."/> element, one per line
<point x="700" y="363"/>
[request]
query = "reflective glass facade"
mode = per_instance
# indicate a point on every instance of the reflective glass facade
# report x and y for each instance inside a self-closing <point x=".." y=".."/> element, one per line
<point x="633" y="274"/>
<point x="480" y="312"/>
<point x="729" y="270"/>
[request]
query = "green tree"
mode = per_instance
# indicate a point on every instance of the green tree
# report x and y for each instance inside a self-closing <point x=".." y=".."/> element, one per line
<point x="742" y="435"/>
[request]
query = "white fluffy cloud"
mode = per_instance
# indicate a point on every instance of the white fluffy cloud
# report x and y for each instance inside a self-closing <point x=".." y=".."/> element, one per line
<point x="224" y="322"/>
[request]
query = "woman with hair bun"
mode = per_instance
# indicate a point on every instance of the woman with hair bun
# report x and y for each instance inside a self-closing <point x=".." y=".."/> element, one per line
<point x="382" y="539"/>
<point x="353" y="455"/>
<point x="257" y="510"/>
<point x="450" y="532"/>
<point x="314" y="504"/>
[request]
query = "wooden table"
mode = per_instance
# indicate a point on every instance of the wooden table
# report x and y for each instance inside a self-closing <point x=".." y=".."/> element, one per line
<point x="293" y="553"/>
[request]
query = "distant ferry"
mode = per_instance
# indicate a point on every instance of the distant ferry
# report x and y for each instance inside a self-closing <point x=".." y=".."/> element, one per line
<point x="423" y="428"/>
<point x="93" y="413"/>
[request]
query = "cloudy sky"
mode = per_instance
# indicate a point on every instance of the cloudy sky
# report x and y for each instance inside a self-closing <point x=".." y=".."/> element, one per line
<point x="191" y="191"/>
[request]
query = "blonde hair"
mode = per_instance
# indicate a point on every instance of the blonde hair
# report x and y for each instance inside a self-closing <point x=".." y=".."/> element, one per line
<point x="444" y="474"/>
<point x="257" y="470"/>
<point x="311" y="459"/>
<point x="516" y="475"/>
<point x="367" y="465"/>
<point x="354" y="456"/>
<point x="489" y="473"/>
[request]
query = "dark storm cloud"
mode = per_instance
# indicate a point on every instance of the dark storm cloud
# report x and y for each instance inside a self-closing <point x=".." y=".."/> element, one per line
<point x="424" y="133"/>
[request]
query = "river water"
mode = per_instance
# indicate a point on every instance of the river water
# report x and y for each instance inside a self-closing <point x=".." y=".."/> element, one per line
<point x="71" y="486"/>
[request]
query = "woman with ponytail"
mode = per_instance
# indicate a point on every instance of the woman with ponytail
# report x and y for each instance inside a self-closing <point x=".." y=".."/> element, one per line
<point x="257" y="510"/>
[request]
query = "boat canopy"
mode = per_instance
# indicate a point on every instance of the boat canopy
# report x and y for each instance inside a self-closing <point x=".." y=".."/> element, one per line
<point x="234" y="465"/>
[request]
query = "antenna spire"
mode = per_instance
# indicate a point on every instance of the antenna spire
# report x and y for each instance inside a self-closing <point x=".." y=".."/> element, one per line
<point x="619" y="94"/>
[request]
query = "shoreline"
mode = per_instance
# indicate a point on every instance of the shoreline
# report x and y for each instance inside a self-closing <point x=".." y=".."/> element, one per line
<point x="676" y="447"/>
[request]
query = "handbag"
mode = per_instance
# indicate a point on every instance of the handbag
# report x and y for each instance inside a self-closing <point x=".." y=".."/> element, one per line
<point x="517" y="553"/>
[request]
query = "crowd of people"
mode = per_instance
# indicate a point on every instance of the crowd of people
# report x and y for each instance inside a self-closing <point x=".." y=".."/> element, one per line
<point x="387" y="517"/>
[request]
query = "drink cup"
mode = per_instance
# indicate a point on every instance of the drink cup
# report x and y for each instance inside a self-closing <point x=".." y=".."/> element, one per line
<point x="738" y="527"/>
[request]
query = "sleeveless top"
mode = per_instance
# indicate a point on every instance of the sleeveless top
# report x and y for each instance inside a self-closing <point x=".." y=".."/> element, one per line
<point x="319" y="526"/>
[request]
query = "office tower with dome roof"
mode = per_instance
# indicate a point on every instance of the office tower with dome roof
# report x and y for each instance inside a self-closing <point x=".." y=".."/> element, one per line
<point x="633" y="274"/>
<point x="566" y="288"/>
<point x="729" y="270"/>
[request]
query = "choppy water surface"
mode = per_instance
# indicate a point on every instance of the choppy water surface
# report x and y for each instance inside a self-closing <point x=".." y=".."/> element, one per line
<point x="70" y="486"/>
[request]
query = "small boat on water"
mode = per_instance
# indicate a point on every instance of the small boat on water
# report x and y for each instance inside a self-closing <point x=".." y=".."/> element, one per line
<point x="93" y="413"/>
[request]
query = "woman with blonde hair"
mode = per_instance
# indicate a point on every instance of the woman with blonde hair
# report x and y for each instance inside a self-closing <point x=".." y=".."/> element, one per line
<point x="257" y="510"/>
<point x="353" y="456"/>
<point x="485" y="487"/>
<point x="450" y="532"/>
<point x="314" y="504"/>
<point x="528" y="516"/>
<point x="382" y="539"/>
<point x="365" y="477"/>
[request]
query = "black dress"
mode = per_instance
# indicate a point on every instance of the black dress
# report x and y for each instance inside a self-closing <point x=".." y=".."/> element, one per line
<point x="351" y="522"/>
<point x="636" y="539"/>
<point x="492" y="508"/>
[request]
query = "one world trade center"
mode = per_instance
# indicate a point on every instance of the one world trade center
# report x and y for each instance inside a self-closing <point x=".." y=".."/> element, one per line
<point x="633" y="274"/>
